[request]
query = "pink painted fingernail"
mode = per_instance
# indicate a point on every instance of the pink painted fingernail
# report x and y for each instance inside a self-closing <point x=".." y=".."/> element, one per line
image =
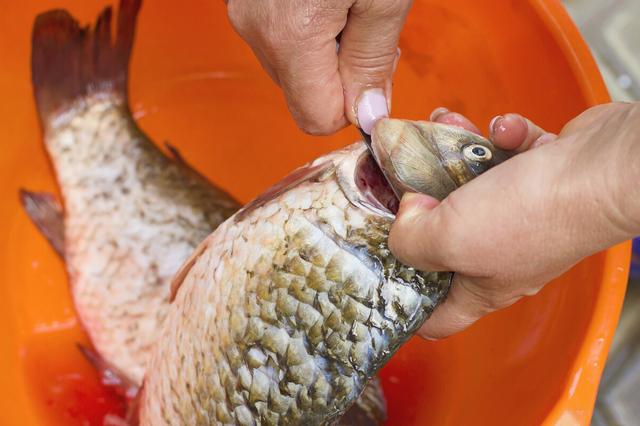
<point x="437" y="113"/>
<point x="495" y="123"/>
<point x="372" y="106"/>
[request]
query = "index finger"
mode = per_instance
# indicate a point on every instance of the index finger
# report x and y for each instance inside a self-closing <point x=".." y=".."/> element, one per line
<point x="297" y="47"/>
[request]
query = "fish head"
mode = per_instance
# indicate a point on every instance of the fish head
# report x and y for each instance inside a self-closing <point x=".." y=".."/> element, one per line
<point x="431" y="158"/>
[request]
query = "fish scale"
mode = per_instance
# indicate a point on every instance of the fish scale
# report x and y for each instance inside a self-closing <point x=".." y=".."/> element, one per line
<point x="303" y="338"/>
<point x="123" y="240"/>
<point x="287" y="311"/>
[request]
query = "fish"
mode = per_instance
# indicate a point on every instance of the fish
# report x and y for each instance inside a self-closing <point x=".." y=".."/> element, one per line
<point x="131" y="214"/>
<point x="286" y="312"/>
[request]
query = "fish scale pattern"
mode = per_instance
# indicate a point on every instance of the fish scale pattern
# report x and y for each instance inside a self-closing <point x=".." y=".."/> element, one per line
<point x="132" y="216"/>
<point x="286" y="315"/>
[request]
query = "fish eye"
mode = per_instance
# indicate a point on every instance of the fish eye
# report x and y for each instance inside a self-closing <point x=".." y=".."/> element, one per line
<point x="477" y="153"/>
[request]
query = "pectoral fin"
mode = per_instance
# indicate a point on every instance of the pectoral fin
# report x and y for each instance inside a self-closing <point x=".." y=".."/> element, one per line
<point x="46" y="213"/>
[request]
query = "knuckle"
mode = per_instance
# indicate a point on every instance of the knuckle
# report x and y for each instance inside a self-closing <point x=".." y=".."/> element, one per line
<point x="316" y="126"/>
<point x="370" y="64"/>
<point x="310" y="119"/>
<point x="271" y="42"/>
<point x="393" y="8"/>
<point x="483" y="302"/>
<point x="398" y="244"/>
<point x="421" y="245"/>
<point x="257" y="26"/>
<point x="384" y="9"/>
<point x="450" y="225"/>
<point x="317" y="129"/>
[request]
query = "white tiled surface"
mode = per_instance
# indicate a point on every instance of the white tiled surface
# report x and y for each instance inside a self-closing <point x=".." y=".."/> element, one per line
<point x="612" y="29"/>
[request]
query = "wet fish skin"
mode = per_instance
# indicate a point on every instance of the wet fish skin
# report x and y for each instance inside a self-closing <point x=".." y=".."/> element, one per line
<point x="431" y="158"/>
<point x="285" y="312"/>
<point x="132" y="215"/>
<point x="288" y="310"/>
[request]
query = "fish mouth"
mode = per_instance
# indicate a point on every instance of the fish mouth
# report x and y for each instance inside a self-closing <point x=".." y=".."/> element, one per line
<point x="373" y="185"/>
<point x="422" y="157"/>
<point x="429" y="158"/>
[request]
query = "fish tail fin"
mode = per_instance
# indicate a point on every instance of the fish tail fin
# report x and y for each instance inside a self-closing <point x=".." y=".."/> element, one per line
<point x="69" y="62"/>
<point x="46" y="213"/>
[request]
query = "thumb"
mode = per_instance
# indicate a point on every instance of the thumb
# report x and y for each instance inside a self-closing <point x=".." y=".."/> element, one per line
<point x="368" y="56"/>
<point x="424" y="236"/>
<point x="466" y="303"/>
<point x="417" y="237"/>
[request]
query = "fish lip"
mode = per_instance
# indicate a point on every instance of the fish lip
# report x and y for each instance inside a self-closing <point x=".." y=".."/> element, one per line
<point x="382" y="157"/>
<point x="393" y="139"/>
<point x="389" y="130"/>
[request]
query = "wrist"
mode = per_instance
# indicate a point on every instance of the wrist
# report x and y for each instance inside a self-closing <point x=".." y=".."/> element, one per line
<point x="589" y="207"/>
<point x="601" y="175"/>
<point x="623" y="174"/>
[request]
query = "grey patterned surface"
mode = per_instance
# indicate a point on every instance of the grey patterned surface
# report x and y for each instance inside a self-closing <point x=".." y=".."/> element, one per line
<point x="612" y="29"/>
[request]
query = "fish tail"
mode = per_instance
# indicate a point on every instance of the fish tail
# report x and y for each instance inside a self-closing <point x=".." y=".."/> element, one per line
<point x="69" y="62"/>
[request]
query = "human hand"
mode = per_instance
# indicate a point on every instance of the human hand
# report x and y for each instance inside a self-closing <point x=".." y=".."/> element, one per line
<point x="326" y="88"/>
<point x="528" y="220"/>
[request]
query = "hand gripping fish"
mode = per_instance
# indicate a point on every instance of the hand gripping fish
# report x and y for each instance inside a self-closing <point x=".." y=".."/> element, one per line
<point x="287" y="310"/>
<point x="132" y="215"/>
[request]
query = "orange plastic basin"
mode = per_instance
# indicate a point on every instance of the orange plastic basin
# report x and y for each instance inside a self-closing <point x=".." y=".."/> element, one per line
<point x="195" y="83"/>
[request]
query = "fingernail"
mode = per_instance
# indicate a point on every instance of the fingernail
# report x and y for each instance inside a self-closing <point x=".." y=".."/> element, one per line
<point x="437" y="113"/>
<point x="495" y="123"/>
<point x="372" y="106"/>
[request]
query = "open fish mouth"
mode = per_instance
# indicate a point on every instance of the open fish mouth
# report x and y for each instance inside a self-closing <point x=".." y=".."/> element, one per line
<point x="423" y="157"/>
<point x="373" y="186"/>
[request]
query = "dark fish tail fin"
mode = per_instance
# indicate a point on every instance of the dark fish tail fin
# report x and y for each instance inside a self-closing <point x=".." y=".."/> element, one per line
<point x="69" y="62"/>
<point x="46" y="213"/>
